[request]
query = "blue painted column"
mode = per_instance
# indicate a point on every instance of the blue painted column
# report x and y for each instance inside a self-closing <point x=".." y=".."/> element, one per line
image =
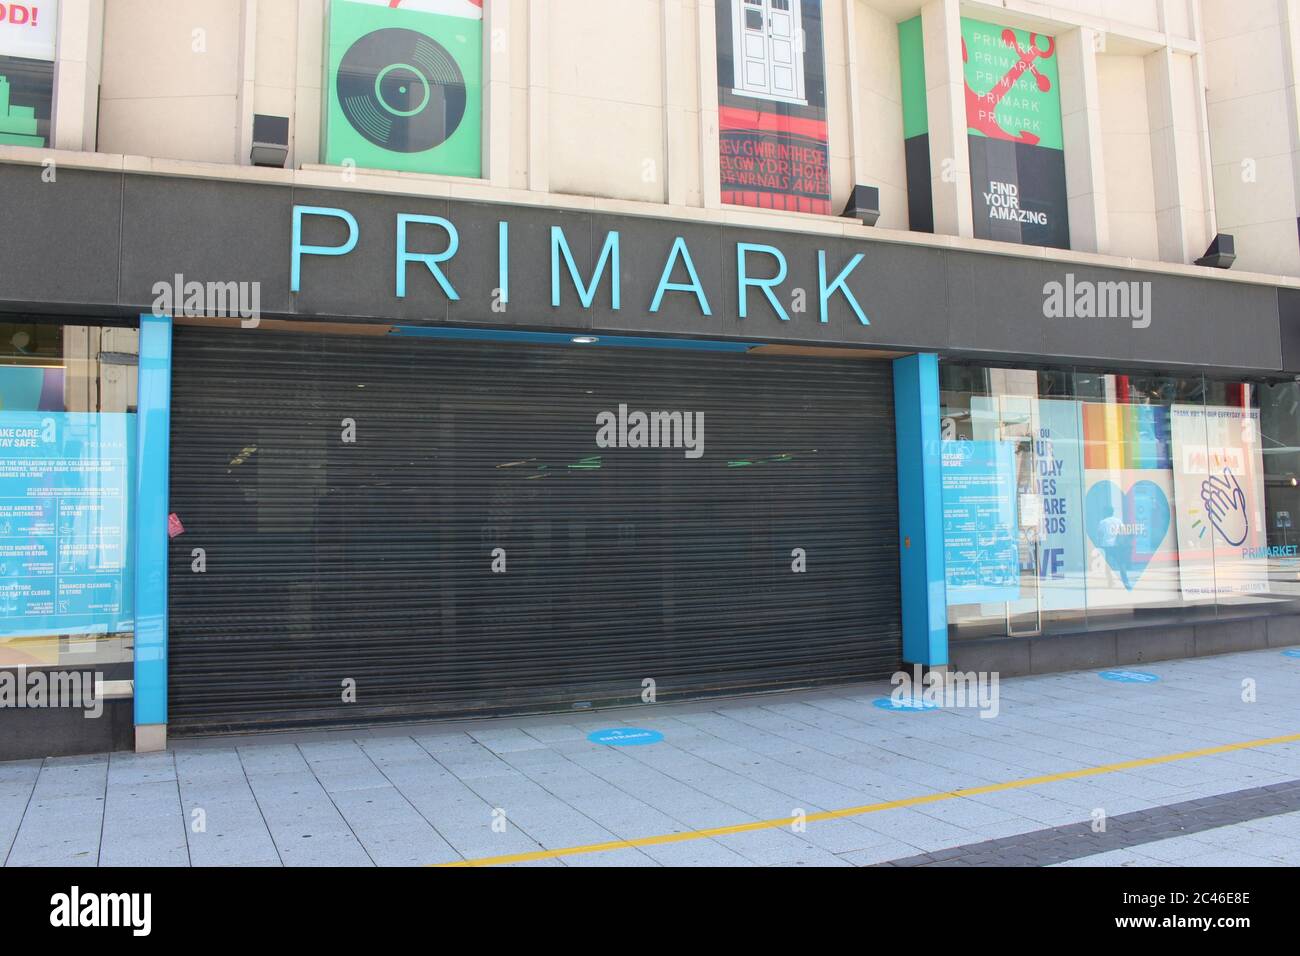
<point x="920" y="510"/>
<point x="152" y="458"/>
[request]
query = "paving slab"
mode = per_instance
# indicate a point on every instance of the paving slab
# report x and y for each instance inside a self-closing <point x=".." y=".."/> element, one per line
<point x="514" y="788"/>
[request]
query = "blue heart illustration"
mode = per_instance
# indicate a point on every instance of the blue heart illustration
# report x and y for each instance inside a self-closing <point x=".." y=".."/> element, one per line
<point x="1127" y="527"/>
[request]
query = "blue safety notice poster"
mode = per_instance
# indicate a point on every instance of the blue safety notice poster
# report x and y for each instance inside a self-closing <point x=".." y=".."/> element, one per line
<point x="65" y="480"/>
<point x="981" y="553"/>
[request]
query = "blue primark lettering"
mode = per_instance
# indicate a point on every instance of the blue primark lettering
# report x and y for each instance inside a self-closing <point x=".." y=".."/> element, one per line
<point x="840" y="284"/>
<point x="607" y="263"/>
<point x="743" y="280"/>
<point x="430" y="259"/>
<point x="503" y="261"/>
<point x="680" y="249"/>
<point x="298" y="250"/>
<point x="1274" y="551"/>
<point x="586" y="293"/>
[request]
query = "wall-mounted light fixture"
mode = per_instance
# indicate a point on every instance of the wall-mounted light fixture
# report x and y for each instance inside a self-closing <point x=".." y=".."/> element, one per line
<point x="863" y="204"/>
<point x="1221" y="254"/>
<point x="270" y="140"/>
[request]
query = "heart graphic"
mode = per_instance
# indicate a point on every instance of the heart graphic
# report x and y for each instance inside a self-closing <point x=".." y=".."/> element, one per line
<point x="1127" y="527"/>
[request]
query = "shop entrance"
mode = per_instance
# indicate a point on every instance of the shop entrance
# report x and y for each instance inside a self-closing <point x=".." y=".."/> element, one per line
<point x="398" y="527"/>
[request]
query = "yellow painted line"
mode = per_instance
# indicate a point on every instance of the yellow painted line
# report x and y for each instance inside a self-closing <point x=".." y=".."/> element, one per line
<point x="682" y="837"/>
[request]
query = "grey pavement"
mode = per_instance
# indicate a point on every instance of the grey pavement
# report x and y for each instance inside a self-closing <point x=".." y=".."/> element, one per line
<point x="1104" y="838"/>
<point x="419" y="794"/>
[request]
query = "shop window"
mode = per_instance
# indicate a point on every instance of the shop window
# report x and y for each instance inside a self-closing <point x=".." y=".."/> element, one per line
<point x="1278" y="406"/>
<point x="1088" y="500"/>
<point x="67" y="465"/>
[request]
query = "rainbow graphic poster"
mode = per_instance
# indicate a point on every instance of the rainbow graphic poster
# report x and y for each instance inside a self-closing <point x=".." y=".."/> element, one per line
<point x="1126" y="436"/>
<point x="1128" y="505"/>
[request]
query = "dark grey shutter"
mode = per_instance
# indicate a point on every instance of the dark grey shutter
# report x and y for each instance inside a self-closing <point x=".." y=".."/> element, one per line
<point x="328" y="561"/>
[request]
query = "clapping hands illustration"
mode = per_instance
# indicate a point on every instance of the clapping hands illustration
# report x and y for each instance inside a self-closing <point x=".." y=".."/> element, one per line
<point x="1225" y="503"/>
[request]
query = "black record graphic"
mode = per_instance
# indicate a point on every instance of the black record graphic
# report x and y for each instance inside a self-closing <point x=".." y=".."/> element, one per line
<point x="401" y="90"/>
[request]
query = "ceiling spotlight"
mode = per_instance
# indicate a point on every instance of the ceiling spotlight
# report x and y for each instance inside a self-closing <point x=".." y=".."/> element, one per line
<point x="584" y="340"/>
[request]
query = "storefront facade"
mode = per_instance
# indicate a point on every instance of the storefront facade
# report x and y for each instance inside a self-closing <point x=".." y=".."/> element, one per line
<point x="482" y="458"/>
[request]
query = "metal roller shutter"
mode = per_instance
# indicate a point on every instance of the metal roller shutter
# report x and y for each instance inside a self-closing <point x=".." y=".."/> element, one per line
<point x="372" y="560"/>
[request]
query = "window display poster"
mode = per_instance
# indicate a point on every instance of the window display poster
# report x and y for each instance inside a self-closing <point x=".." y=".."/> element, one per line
<point x="1219" y="490"/>
<point x="774" y="144"/>
<point x="981" y="554"/>
<point x="29" y="29"/>
<point x="28" y="41"/>
<point x="1128" y="487"/>
<point x="1058" y="482"/>
<point x="404" y="86"/>
<point x="1014" y="133"/>
<point x="26" y="101"/>
<point x="28" y="388"/>
<point x="65" y="481"/>
<point x="1051" y="492"/>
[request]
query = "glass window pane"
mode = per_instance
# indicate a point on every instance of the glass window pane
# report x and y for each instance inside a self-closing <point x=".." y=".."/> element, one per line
<point x="961" y="388"/>
<point x="1251" y="494"/>
<point x="1134" y="498"/>
<point x="67" y="449"/>
<point x="1134" y="428"/>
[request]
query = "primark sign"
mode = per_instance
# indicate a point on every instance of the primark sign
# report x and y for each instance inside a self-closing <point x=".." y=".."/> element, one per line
<point x="425" y="251"/>
<point x="726" y="278"/>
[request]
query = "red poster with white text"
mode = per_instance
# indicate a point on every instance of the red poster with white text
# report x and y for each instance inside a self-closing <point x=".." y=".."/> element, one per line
<point x="772" y="105"/>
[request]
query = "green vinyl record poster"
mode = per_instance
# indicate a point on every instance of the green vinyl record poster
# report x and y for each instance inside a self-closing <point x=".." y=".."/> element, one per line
<point x="404" y="87"/>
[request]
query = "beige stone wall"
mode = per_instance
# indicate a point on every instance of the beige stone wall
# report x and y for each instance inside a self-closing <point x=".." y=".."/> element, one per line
<point x="605" y="130"/>
<point x="1251" y="101"/>
<point x="170" y="82"/>
<point x="1126" y="148"/>
<point x="880" y="110"/>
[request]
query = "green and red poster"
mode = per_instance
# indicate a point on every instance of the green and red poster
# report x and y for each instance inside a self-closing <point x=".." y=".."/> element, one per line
<point x="772" y="105"/>
<point x="1013" y="125"/>
<point x="404" y="85"/>
<point x="1014" y="134"/>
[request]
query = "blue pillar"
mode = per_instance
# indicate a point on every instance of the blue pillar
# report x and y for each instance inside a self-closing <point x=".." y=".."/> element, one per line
<point x="152" y="458"/>
<point x="920" y="510"/>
